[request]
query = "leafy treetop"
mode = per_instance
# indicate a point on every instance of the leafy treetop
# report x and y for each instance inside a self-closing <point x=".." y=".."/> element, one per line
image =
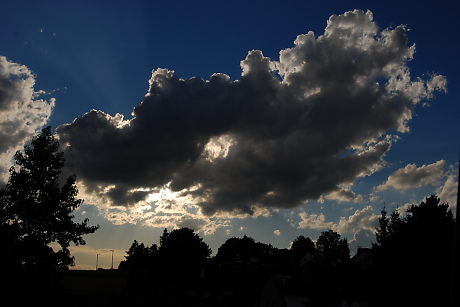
<point x="35" y="210"/>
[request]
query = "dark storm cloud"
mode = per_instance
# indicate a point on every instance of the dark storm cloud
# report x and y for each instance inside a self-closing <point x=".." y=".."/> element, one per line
<point x="287" y="131"/>
<point x="120" y="196"/>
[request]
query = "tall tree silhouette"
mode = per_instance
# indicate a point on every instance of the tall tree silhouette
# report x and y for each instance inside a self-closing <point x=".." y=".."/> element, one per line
<point x="35" y="210"/>
<point x="182" y="254"/>
<point x="420" y="245"/>
<point x="381" y="232"/>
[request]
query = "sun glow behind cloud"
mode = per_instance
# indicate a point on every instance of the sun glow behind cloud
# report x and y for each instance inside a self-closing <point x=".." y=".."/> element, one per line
<point x="218" y="147"/>
<point x="164" y="208"/>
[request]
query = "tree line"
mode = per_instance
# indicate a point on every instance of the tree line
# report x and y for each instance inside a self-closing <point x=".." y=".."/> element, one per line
<point x="409" y="264"/>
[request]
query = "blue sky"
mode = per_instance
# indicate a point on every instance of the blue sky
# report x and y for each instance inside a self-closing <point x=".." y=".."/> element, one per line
<point x="100" y="55"/>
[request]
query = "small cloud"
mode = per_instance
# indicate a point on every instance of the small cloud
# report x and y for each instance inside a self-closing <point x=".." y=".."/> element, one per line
<point x="314" y="221"/>
<point x="411" y="176"/>
<point x="364" y="219"/>
<point x="344" y="195"/>
<point x="277" y="233"/>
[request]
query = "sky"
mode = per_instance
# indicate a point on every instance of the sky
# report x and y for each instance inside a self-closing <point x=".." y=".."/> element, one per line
<point x="265" y="118"/>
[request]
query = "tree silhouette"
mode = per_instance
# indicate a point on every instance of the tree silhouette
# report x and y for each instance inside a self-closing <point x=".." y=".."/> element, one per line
<point x="35" y="210"/>
<point x="166" y="273"/>
<point x="417" y="250"/>
<point x="243" y="250"/>
<point x="422" y="222"/>
<point x="183" y="245"/>
<point x="139" y="257"/>
<point x="332" y="247"/>
<point x="302" y="245"/>
<point x="182" y="254"/>
<point x="381" y="233"/>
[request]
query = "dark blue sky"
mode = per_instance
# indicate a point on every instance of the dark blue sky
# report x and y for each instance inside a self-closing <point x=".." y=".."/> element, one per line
<point x="100" y="55"/>
<point x="104" y="51"/>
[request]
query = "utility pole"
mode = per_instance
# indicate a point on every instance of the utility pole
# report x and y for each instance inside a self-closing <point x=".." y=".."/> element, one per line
<point x="97" y="261"/>
<point x="112" y="259"/>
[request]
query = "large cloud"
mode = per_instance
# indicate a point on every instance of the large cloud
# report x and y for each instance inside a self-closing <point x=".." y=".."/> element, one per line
<point x="285" y="132"/>
<point x="412" y="176"/>
<point x="22" y="112"/>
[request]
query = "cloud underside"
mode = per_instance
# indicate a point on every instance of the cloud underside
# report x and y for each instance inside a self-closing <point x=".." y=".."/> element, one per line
<point x="322" y="115"/>
<point x="22" y="112"/>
